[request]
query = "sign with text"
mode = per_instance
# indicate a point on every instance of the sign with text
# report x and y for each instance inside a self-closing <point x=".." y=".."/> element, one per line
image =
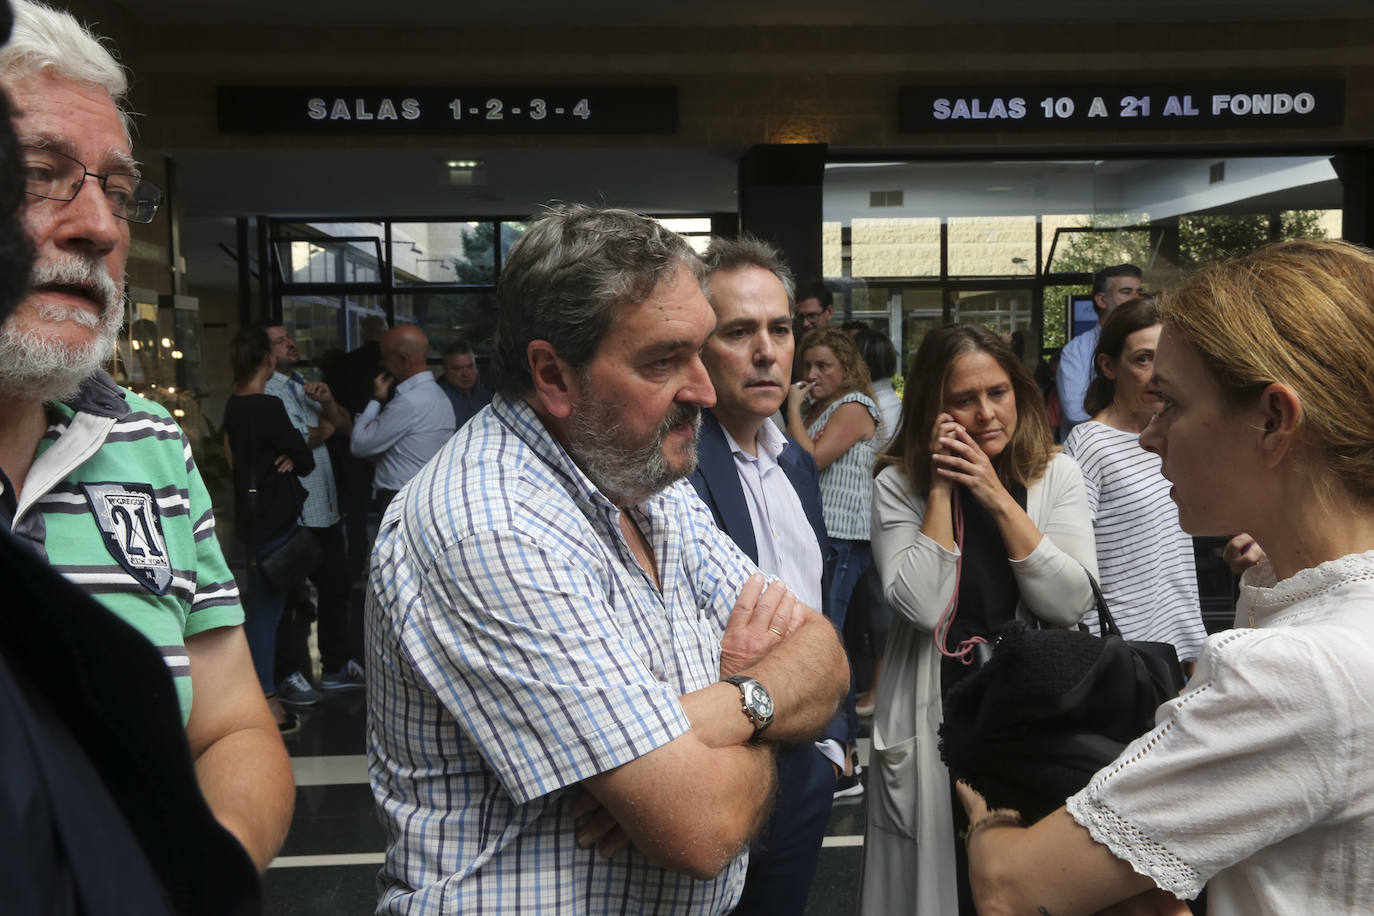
<point x="448" y="110"/>
<point x="1213" y="105"/>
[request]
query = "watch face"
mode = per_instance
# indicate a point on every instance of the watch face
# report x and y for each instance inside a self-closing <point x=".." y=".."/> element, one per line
<point x="760" y="702"/>
<point x="764" y="704"/>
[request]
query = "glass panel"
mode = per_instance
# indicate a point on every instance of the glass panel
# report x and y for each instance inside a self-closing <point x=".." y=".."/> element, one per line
<point x="510" y="232"/>
<point x="922" y="312"/>
<point x="1057" y="304"/>
<point x="991" y="246"/>
<point x="687" y="225"/>
<point x="832" y="249"/>
<point x="868" y="304"/>
<point x="448" y="253"/>
<point x="329" y="252"/>
<point x="895" y="247"/>
<point x="314" y="323"/>
<point x="358" y="308"/>
<point x="137" y="357"/>
<point x="1092" y="247"/>
<point x="447" y="317"/>
<point x="1003" y="310"/>
<point x="869" y="299"/>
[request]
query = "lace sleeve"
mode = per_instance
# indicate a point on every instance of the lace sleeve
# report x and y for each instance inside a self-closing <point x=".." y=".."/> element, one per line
<point x="1255" y="751"/>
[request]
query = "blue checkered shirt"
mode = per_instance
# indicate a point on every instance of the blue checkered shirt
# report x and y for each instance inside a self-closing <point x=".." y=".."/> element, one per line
<point x="515" y="649"/>
<point x="321" y="507"/>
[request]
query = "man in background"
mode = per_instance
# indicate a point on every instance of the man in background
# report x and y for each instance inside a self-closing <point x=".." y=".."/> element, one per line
<point x="316" y="414"/>
<point x="460" y="382"/>
<point x="763" y="490"/>
<point x="815" y="305"/>
<point x="409" y="417"/>
<point x="1111" y="287"/>
<point x="350" y="381"/>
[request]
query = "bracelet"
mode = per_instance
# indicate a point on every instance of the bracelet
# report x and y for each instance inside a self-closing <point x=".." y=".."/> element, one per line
<point x="992" y="817"/>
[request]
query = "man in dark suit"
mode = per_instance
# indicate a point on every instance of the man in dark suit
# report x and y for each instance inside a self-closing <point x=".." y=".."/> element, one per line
<point x="762" y="489"/>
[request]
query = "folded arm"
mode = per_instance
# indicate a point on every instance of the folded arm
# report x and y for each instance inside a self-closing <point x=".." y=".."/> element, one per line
<point x="378" y="430"/>
<point x="1053" y="579"/>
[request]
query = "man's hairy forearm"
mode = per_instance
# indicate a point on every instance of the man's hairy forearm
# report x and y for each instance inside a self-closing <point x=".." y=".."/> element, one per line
<point x="807" y="676"/>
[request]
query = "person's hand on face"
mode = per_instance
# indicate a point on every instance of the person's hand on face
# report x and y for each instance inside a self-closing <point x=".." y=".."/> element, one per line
<point x="796" y="394"/>
<point x="945" y="427"/>
<point x="381" y="387"/>
<point x="962" y="461"/>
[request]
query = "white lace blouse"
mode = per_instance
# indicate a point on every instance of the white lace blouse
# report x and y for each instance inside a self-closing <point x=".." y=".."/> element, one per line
<point x="1259" y="780"/>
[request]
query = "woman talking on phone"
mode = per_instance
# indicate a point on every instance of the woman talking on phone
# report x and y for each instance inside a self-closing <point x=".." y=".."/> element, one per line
<point x="974" y="446"/>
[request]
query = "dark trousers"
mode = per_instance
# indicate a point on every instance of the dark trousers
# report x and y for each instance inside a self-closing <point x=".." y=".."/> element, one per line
<point x="339" y="634"/>
<point x="782" y="861"/>
<point x="357" y="505"/>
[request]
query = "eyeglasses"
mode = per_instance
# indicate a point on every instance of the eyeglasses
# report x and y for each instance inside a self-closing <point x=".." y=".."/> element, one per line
<point x="57" y="176"/>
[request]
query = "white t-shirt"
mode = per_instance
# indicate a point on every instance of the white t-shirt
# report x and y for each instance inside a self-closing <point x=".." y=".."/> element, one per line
<point x="1145" y="560"/>
<point x="1259" y="780"/>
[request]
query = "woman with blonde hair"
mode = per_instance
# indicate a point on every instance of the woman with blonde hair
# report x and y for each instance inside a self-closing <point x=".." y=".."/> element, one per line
<point x="1255" y="781"/>
<point x="974" y="446"/>
<point x="833" y="414"/>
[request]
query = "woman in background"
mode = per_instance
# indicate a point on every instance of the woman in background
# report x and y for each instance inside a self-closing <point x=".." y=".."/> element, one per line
<point x="974" y="444"/>
<point x="869" y="616"/>
<point x="269" y="457"/>
<point x="1148" y="573"/>
<point x="832" y="414"/>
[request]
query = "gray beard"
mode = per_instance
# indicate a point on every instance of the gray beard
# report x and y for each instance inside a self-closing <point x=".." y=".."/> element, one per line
<point x="33" y="366"/>
<point x="625" y="474"/>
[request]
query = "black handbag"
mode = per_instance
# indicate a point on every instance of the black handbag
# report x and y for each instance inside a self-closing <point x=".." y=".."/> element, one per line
<point x="292" y="561"/>
<point x="1050" y="708"/>
<point x="294" y="558"/>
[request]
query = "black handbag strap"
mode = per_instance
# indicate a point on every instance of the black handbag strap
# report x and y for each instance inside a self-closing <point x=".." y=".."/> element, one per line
<point x="1106" y="624"/>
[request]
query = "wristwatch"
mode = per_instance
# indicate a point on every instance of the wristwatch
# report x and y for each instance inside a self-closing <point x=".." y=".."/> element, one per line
<point x="756" y="701"/>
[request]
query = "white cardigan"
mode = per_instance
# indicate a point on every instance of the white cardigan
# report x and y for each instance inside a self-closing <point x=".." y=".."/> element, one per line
<point x="909" y="849"/>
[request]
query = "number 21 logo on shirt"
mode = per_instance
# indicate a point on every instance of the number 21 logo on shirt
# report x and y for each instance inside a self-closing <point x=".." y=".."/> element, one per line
<point x="128" y="518"/>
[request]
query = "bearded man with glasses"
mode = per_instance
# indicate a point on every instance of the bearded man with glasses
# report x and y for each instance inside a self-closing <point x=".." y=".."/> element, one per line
<point x="93" y="478"/>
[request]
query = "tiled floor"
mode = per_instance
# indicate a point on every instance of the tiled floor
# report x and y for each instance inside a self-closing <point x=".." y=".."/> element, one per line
<point x="331" y="857"/>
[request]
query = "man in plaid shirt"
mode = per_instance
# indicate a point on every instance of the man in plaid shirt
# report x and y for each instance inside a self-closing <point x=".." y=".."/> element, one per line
<point x="552" y="614"/>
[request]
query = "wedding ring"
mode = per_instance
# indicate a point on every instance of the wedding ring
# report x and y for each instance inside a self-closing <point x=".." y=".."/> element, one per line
<point x="776" y="632"/>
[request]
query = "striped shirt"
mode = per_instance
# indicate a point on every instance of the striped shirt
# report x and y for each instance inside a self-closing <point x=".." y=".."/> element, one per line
<point x="1145" y="560"/>
<point x="847" y="483"/>
<point x="321" y="507"/>
<point x="114" y="501"/>
<point x="515" y="649"/>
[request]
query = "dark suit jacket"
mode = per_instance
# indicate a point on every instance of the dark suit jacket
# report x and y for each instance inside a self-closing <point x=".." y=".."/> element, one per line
<point x="100" y="808"/>
<point x="718" y="484"/>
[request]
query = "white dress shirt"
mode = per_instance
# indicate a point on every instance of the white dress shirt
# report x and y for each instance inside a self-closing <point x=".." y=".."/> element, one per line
<point x="786" y="541"/>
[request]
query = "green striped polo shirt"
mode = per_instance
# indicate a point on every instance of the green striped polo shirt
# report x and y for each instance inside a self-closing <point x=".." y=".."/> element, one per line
<point x="115" y="502"/>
